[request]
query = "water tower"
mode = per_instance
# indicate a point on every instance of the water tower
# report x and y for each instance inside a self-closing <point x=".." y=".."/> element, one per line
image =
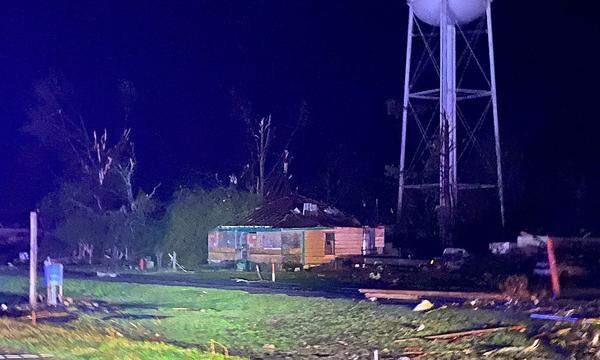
<point x="449" y="110"/>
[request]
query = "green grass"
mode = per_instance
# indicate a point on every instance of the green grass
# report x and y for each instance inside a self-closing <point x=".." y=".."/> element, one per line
<point x="88" y="343"/>
<point x="245" y="323"/>
<point x="324" y="277"/>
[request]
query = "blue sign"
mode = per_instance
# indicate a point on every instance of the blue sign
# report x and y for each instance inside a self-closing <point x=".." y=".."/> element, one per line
<point x="53" y="274"/>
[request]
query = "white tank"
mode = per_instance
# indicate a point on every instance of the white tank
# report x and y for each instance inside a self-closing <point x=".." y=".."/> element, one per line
<point x="461" y="11"/>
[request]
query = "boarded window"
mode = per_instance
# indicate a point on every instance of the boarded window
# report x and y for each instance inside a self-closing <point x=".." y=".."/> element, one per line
<point x="329" y="243"/>
<point x="269" y="240"/>
<point x="291" y="239"/>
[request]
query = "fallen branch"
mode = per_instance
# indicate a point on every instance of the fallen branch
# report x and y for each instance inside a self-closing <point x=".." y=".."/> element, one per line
<point x="245" y="281"/>
<point x="44" y="314"/>
<point x="476" y="332"/>
<point x="258" y="272"/>
<point x="418" y="294"/>
<point x="553" y="317"/>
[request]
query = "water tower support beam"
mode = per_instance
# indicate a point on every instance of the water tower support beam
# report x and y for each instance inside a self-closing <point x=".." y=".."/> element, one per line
<point x="405" y="104"/>
<point x="495" y="113"/>
<point x="448" y="173"/>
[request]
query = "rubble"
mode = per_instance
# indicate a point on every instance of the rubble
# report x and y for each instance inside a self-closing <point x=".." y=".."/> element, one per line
<point x="423" y="306"/>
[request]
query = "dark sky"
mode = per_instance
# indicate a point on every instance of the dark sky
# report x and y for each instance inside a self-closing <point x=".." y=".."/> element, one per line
<point x="344" y="58"/>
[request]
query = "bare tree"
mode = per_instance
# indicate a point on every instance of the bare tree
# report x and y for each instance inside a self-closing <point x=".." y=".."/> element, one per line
<point x="268" y="173"/>
<point x="261" y="133"/>
<point x="106" y="167"/>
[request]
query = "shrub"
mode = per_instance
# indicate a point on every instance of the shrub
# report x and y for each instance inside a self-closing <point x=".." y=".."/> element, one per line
<point x="195" y="212"/>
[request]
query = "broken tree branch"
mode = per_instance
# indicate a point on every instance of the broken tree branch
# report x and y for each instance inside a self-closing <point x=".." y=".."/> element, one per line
<point x="475" y="332"/>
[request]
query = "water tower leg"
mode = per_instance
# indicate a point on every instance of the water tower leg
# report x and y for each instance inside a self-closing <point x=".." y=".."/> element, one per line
<point x="448" y="181"/>
<point x="495" y="112"/>
<point x="409" y="39"/>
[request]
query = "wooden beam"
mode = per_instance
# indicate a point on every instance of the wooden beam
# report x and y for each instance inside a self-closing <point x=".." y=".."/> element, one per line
<point x="418" y="294"/>
<point x="475" y="332"/>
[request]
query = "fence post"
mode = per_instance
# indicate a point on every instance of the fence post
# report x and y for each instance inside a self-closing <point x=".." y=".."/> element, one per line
<point x="273" y="272"/>
<point x="32" y="263"/>
<point x="554" y="276"/>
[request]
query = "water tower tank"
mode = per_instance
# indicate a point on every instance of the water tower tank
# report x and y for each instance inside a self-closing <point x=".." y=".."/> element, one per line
<point x="461" y="11"/>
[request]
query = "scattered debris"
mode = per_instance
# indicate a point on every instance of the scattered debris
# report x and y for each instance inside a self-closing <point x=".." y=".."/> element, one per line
<point x="502" y="248"/>
<point x="103" y="274"/>
<point x="424" y="306"/>
<point x="475" y="332"/>
<point x="553" y="317"/>
<point x="531" y="348"/>
<point x="516" y="287"/>
<point x="375" y="276"/>
<point x="419" y="294"/>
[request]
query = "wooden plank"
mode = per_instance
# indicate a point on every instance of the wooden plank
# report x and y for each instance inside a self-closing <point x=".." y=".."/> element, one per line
<point x="221" y="257"/>
<point x="474" y="332"/>
<point x="291" y="251"/>
<point x="265" y="259"/>
<point x="263" y="251"/>
<point x="222" y="250"/>
<point x="417" y="294"/>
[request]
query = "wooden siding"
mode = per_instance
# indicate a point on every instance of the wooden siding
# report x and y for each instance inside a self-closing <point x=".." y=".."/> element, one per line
<point x="265" y="251"/>
<point x="265" y="258"/>
<point x="269" y="240"/>
<point x="292" y="246"/>
<point x="314" y="247"/>
<point x="221" y="254"/>
<point x="348" y="241"/>
<point x="379" y="239"/>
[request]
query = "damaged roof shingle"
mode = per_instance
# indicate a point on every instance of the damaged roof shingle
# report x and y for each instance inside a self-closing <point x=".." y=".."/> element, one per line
<point x="289" y="212"/>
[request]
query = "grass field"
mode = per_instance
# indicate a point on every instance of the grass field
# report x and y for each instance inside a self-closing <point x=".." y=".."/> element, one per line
<point x="326" y="277"/>
<point x="134" y="321"/>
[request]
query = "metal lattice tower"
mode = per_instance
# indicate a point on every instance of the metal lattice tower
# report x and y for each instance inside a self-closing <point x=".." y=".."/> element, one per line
<point x="461" y="94"/>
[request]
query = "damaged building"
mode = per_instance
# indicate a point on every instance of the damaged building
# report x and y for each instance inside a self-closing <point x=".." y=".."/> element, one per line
<point x="294" y="230"/>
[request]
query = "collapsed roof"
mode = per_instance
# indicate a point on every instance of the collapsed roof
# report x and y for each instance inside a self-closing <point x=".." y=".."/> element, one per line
<point x="298" y="212"/>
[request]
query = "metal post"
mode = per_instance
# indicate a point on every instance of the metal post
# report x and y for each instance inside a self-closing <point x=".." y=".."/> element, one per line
<point x="32" y="259"/>
<point x="495" y="112"/>
<point x="272" y="272"/>
<point x="409" y="39"/>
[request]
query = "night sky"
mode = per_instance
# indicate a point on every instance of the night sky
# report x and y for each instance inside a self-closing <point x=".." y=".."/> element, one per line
<point x="343" y="58"/>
